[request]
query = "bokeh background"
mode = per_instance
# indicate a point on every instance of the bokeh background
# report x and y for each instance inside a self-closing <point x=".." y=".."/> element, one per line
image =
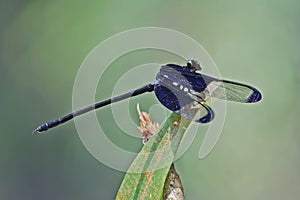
<point x="43" y="43"/>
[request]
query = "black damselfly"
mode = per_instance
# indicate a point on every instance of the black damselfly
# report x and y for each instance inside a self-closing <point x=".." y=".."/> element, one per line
<point x="181" y="89"/>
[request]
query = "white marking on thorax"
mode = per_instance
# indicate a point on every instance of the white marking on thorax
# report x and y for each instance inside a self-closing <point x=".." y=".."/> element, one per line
<point x="175" y="83"/>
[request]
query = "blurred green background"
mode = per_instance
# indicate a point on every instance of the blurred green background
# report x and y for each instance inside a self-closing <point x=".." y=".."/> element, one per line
<point x="43" y="43"/>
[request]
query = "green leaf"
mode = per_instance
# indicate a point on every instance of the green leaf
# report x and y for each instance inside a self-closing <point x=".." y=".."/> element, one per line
<point x="146" y="176"/>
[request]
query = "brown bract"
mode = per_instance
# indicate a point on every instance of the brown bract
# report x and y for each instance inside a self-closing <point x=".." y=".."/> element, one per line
<point x="147" y="127"/>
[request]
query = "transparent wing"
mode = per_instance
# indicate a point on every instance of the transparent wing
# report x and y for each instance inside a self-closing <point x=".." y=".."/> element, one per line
<point x="198" y="112"/>
<point x="201" y="86"/>
<point x="232" y="91"/>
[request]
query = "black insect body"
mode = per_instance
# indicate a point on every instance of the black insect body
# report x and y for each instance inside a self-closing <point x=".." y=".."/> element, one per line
<point x="180" y="89"/>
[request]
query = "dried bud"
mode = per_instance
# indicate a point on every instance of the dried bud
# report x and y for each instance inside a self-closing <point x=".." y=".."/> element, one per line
<point x="147" y="127"/>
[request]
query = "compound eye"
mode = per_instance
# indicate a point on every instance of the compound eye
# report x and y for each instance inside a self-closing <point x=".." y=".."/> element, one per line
<point x="193" y="66"/>
<point x="189" y="63"/>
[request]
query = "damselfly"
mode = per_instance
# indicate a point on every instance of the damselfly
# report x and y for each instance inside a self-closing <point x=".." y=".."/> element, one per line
<point x="181" y="89"/>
